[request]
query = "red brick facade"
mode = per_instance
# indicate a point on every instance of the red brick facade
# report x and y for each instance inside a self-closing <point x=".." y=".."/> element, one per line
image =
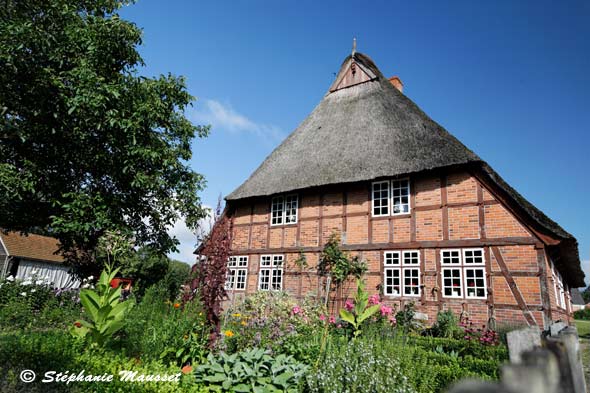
<point x="448" y="211"/>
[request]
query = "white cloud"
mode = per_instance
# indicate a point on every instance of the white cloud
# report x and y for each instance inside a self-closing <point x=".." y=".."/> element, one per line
<point x="188" y="239"/>
<point x="224" y="117"/>
<point x="586" y="270"/>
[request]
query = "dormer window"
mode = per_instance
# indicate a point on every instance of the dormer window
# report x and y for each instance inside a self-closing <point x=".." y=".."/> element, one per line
<point x="283" y="210"/>
<point x="391" y="196"/>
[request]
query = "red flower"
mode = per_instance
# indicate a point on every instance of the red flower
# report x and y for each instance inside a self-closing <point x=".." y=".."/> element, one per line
<point x="176" y="305"/>
<point x="187" y="369"/>
<point x="77" y="324"/>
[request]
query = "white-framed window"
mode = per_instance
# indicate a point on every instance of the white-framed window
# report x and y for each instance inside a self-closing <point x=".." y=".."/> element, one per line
<point x="557" y="286"/>
<point x="401" y="273"/>
<point x="391" y="197"/>
<point x="283" y="209"/>
<point x="463" y="273"/>
<point x="237" y="273"/>
<point x="400" y="192"/>
<point x="381" y="198"/>
<point x="270" y="277"/>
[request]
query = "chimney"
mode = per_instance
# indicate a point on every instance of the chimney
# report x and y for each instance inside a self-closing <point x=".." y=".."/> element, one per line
<point x="397" y="83"/>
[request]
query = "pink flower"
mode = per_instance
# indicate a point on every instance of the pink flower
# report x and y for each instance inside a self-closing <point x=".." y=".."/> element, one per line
<point x="349" y="305"/>
<point x="322" y="317"/>
<point x="392" y="320"/>
<point x="296" y="310"/>
<point x="332" y="319"/>
<point x="385" y="310"/>
<point x="374" y="299"/>
<point x="339" y="326"/>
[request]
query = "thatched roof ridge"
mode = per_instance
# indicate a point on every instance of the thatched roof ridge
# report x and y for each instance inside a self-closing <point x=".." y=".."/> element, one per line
<point x="362" y="132"/>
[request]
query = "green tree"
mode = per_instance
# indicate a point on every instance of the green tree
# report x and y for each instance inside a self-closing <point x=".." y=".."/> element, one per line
<point x="148" y="267"/>
<point x="87" y="144"/>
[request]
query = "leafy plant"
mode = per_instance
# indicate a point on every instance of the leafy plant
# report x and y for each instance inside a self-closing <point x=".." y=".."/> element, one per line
<point x="361" y="310"/>
<point x="254" y="370"/>
<point x="338" y="263"/>
<point x="158" y="330"/>
<point x="446" y="324"/>
<point x="104" y="308"/>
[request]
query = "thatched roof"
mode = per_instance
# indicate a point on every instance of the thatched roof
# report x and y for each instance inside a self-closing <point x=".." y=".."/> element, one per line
<point x="370" y="130"/>
<point x="359" y="133"/>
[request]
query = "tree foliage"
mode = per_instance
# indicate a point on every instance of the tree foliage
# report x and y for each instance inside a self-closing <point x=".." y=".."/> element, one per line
<point x="87" y="144"/>
<point x="211" y="272"/>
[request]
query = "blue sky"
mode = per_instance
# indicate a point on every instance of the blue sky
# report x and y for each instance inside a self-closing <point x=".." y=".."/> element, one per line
<point x="510" y="79"/>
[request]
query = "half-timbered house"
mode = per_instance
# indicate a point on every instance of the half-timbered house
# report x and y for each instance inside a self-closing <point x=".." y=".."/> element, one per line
<point x="435" y="223"/>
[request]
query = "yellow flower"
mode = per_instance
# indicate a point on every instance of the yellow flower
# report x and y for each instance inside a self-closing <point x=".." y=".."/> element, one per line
<point x="236" y="315"/>
<point x="244" y="323"/>
<point x="228" y="333"/>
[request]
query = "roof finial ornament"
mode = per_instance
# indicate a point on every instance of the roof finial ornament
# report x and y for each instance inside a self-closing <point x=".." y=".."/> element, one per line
<point x="353" y="46"/>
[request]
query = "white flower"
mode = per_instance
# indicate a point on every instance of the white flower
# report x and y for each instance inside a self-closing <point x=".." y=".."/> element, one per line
<point x="10" y="278"/>
<point x="26" y="282"/>
<point x="33" y="290"/>
<point x="90" y="278"/>
<point x="85" y="286"/>
<point x="23" y="294"/>
<point x="39" y="282"/>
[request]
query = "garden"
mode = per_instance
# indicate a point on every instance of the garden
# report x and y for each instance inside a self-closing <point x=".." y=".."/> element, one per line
<point x="270" y="342"/>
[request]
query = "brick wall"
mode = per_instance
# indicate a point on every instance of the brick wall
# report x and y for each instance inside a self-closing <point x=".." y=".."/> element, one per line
<point x="469" y="217"/>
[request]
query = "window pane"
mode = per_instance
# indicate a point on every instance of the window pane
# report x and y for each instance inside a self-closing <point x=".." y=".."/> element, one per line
<point x="392" y="282"/>
<point x="391" y="258"/>
<point x="277" y="279"/>
<point x="381" y="198"/>
<point x="412" y="282"/>
<point x="241" y="279"/>
<point x="264" y="280"/>
<point x="291" y="209"/>
<point x="452" y="282"/>
<point x="265" y="260"/>
<point x="450" y="257"/>
<point x="277" y="260"/>
<point x="475" y="283"/>
<point x="277" y="211"/>
<point x="401" y="191"/>
<point x="411" y="257"/>
<point x="229" y="280"/>
<point x="473" y="256"/>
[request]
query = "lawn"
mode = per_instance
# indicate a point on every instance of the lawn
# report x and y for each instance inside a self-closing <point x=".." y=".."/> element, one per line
<point x="583" y="328"/>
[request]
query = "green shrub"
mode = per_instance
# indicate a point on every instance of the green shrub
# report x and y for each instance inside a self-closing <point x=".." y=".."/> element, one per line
<point x="357" y="366"/>
<point x="254" y="370"/>
<point x="159" y="329"/>
<point x="462" y="347"/>
<point x="55" y="350"/>
<point x="583" y="315"/>
<point x="446" y="324"/>
<point x="33" y="303"/>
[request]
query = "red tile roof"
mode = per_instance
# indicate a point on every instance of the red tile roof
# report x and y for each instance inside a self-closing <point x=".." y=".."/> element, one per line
<point x="31" y="246"/>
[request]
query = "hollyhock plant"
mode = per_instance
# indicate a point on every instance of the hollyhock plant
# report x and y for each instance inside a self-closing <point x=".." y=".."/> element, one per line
<point x="374" y="299"/>
<point x="296" y="310"/>
<point x="349" y="305"/>
<point x="385" y="310"/>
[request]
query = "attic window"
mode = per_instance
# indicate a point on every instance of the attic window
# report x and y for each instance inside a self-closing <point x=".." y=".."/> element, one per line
<point x="284" y="210"/>
<point x="391" y="195"/>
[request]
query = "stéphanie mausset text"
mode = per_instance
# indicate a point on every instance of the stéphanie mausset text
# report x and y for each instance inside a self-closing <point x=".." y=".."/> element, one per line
<point x="124" y="375"/>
